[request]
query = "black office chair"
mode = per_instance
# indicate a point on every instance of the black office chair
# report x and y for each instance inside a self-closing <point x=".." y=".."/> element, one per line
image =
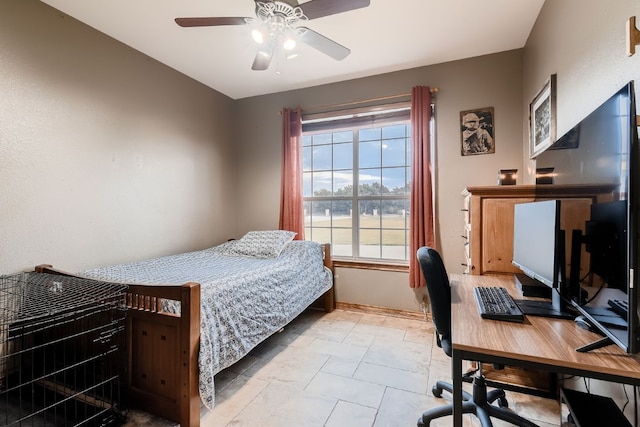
<point x="480" y="402"/>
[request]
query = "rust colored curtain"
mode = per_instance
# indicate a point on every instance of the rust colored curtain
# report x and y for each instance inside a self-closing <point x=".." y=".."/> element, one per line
<point x="291" y="206"/>
<point x="422" y="231"/>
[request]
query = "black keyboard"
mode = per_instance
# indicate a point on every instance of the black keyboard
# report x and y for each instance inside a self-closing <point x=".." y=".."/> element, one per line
<point x="496" y="303"/>
<point x="620" y="307"/>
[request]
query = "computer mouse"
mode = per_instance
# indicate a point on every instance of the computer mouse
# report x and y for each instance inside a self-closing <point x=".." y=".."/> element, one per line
<point x="583" y="323"/>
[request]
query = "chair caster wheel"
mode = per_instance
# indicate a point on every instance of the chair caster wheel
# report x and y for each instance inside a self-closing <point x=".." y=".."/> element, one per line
<point x="436" y="391"/>
<point x="503" y="403"/>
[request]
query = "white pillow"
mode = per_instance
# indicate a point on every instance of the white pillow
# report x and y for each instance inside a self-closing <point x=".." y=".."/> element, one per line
<point x="261" y="244"/>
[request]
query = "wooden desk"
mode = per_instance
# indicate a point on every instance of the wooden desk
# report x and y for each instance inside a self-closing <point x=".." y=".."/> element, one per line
<point x="539" y="343"/>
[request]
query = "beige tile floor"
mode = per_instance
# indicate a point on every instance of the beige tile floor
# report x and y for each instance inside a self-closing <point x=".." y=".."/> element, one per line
<point x="342" y="369"/>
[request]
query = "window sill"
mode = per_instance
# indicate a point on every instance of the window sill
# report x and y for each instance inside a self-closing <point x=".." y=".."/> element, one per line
<point x="368" y="265"/>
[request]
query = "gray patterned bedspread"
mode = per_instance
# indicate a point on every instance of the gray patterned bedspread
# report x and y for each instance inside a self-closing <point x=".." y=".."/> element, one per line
<point x="243" y="300"/>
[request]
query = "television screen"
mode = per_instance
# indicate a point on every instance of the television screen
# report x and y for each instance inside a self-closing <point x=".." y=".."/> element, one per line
<point x="601" y="150"/>
<point x="596" y="150"/>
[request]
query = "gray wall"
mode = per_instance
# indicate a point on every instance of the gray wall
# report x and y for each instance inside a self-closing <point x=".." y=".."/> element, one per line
<point x="583" y="43"/>
<point x="105" y="155"/>
<point x="487" y="81"/>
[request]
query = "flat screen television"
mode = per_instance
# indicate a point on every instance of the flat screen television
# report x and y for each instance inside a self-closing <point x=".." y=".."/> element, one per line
<point x="602" y="150"/>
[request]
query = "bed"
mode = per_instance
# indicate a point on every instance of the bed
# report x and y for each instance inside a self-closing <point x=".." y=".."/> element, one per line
<point x="191" y="315"/>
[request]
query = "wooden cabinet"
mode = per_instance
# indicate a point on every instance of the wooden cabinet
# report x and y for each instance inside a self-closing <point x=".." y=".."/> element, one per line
<point x="489" y="213"/>
<point x="496" y="236"/>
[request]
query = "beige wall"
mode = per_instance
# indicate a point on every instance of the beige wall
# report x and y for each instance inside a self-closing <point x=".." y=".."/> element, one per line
<point x="584" y="44"/>
<point x="487" y="81"/>
<point x="105" y="154"/>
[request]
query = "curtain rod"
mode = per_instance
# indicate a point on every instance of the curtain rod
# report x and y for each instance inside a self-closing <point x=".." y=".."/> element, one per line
<point x="365" y="101"/>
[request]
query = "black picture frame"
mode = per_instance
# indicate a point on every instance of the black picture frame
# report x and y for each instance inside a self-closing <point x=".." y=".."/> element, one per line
<point x="477" y="132"/>
<point x="542" y="118"/>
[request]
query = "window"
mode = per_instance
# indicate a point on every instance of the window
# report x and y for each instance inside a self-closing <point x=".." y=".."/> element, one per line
<point x="356" y="180"/>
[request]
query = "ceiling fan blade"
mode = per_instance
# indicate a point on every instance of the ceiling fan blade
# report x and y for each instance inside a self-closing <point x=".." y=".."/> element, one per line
<point x="263" y="57"/>
<point x="318" y="8"/>
<point x="209" y="22"/>
<point x="323" y="44"/>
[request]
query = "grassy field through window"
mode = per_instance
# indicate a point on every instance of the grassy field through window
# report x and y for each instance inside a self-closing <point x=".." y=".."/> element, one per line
<point x="393" y="233"/>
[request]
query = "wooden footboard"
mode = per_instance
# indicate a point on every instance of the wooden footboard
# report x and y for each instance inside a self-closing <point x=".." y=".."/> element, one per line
<point x="161" y="376"/>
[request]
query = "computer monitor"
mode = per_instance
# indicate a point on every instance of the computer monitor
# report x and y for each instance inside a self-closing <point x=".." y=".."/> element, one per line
<point x="538" y="250"/>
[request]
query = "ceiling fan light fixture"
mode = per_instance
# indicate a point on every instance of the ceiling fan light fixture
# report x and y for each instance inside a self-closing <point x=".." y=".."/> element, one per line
<point x="289" y="44"/>
<point x="257" y="36"/>
<point x="275" y="27"/>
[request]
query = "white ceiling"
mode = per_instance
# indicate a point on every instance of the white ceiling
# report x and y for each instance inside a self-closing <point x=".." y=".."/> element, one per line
<point x="389" y="35"/>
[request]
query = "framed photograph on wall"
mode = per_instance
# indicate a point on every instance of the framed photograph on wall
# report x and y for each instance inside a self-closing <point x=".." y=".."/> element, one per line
<point x="477" y="132"/>
<point x="542" y="118"/>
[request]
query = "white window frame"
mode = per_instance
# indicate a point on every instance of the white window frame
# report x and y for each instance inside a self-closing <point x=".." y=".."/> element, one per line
<point x="356" y="120"/>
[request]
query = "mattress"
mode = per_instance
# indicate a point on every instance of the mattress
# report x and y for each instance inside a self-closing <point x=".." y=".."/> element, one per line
<point x="244" y="299"/>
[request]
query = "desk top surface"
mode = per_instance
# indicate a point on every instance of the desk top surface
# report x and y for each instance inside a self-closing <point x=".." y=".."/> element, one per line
<point x="537" y="339"/>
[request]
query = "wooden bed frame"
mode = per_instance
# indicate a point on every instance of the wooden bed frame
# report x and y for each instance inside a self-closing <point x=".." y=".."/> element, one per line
<point x="161" y="376"/>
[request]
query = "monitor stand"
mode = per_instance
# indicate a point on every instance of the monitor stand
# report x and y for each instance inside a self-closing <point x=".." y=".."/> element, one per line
<point x="602" y="342"/>
<point x="556" y="308"/>
<point x="543" y="309"/>
<point x="531" y="287"/>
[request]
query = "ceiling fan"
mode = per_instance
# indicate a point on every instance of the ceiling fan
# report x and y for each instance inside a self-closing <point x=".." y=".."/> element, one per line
<point x="275" y="26"/>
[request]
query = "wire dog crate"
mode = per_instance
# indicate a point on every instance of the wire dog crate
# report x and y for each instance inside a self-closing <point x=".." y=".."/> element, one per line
<point x="60" y="351"/>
